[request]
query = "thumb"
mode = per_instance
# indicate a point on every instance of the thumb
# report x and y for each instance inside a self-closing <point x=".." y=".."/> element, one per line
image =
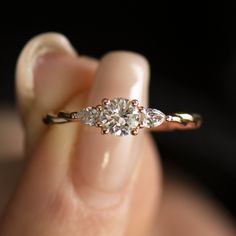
<point x="69" y="188"/>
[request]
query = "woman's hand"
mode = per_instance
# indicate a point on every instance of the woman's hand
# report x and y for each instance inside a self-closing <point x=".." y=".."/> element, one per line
<point x="75" y="181"/>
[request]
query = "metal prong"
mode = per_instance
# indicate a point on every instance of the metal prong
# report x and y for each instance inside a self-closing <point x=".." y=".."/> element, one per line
<point x="105" y="101"/>
<point x="98" y="124"/>
<point x="135" y="131"/>
<point x="135" y="102"/>
<point x="141" y="108"/>
<point x="74" y="115"/>
<point x="99" y="107"/>
<point x="141" y="126"/>
<point x="104" y="131"/>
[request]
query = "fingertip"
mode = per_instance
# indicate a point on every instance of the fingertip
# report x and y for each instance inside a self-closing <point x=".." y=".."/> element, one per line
<point x="120" y="55"/>
<point x="38" y="46"/>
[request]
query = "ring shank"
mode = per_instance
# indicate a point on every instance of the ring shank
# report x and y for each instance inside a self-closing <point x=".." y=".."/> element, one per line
<point x="59" y="118"/>
<point x="185" y="118"/>
<point x="180" y="121"/>
<point x="172" y="122"/>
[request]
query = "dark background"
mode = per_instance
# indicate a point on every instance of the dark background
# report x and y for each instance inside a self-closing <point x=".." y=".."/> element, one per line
<point x="193" y="65"/>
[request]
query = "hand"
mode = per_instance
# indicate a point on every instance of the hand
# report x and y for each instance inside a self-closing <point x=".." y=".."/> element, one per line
<point x="77" y="182"/>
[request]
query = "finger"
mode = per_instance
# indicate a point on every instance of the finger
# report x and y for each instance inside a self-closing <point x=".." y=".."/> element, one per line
<point x="106" y="168"/>
<point x="37" y="94"/>
<point x="77" y="79"/>
<point x="46" y="70"/>
<point x="66" y="200"/>
<point x="146" y="194"/>
<point x="119" y="75"/>
<point x="38" y="47"/>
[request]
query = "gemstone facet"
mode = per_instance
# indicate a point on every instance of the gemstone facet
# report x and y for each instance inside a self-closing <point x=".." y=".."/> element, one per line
<point x="152" y="117"/>
<point x="88" y="116"/>
<point x="119" y="117"/>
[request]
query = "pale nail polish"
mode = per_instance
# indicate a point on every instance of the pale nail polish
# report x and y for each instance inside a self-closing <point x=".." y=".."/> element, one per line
<point x="49" y="75"/>
<point x="106" y="162"/>
<point x="37" y="47"/>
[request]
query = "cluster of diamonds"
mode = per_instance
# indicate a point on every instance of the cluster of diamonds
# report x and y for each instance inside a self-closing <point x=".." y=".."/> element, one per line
<point x="120" y="116"/>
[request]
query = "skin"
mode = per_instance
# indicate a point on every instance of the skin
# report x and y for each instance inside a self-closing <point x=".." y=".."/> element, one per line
<point x="72" y="180"/>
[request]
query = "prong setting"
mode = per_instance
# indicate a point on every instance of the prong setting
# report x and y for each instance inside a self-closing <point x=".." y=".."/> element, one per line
<point x="99" y="107"/>
<point x="135" y="102"/>
<point x="141" y="126"/>
<point x="105" y="101"/>
<point x="118" y="116"/>
<point x="135" y="131"/>
<point x="104" y="131"/>
<point x="141" y="109"/>
<point x="98" y="124"/>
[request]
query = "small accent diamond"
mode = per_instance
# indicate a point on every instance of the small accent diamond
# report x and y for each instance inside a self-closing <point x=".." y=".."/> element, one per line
<point x="120" y="116"/>
<point x="88" y="115"/>
<point x="152" y="117"/>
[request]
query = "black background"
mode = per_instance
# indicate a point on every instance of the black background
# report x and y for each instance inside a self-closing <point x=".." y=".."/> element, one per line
<point x="193" y="68"/>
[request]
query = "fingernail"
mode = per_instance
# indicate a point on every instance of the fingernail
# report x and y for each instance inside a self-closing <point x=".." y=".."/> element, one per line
<point x="36" y="48"/>
<point x="105" y="163"/>
<point x="49" y="74"/>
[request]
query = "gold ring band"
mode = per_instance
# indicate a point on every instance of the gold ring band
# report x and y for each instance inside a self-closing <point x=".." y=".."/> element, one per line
<point x="120" y="117"/>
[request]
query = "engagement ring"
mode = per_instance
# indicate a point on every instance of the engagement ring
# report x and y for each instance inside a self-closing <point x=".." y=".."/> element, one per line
<point x="121" y="116"/>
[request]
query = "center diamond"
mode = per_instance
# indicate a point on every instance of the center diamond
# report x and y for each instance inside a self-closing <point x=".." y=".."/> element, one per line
<point x="119" y="117"/>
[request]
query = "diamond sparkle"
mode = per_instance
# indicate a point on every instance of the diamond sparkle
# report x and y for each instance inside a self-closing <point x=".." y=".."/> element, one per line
<point x="121" y="117"/>
<point x="152" y="118"/>
<point x="88" y="116"/>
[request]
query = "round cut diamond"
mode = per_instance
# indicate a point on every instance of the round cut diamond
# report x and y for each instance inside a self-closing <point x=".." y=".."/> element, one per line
<point x="152" y="117"/>
<point x="119" y="117"/>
